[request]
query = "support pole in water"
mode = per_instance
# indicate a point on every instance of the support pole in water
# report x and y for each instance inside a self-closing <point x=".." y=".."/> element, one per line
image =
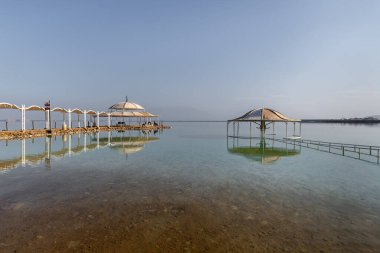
<point x="69" y="119"/>
<point x="97" y="119"/>
<point x="22" y="117"/>
<point x="84" y="119"/>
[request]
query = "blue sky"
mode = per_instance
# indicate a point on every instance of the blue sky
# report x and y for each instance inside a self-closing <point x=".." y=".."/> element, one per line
<point x="194" y="59"/>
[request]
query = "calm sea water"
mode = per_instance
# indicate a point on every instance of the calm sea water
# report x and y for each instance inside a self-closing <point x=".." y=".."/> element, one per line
<point x="190" y="189"/>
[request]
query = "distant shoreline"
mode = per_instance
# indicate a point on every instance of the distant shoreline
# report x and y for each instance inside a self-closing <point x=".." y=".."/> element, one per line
<point x="343" y="121"/>
<point x="331" y="121"/>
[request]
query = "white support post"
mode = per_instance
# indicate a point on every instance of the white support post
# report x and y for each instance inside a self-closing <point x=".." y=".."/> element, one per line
<point x="22" y="117"/>
<point x="78" y="121"/>
<point x="69" y="119"/>
<point x="97" y="119"/>
<point x="84" y="119"/>
<point x="47" y="119"/>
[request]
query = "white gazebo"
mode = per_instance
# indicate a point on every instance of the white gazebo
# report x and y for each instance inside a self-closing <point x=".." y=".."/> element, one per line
<point x="128" y="110"/>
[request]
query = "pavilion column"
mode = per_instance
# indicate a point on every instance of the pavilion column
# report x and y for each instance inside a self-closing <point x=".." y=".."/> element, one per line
<point x="294" y="128"/>
<point x="97" y="119"/>
<point x="69" y="119"/>
<point x="22" y="117"/>
<point x="47" y="119"/>
<point x="63" y="120"/>
<point x="109" y="119"/>
<point x="84" y="119"/>
<point x="78" y="121"/>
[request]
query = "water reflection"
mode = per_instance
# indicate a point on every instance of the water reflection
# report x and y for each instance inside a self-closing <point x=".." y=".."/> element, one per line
<point x="261" y="149"/>
<point x="68" y="145"/>
<point x="268" y="150"/>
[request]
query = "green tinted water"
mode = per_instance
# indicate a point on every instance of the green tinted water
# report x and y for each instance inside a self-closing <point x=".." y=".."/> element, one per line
<point x="189" y="189"/>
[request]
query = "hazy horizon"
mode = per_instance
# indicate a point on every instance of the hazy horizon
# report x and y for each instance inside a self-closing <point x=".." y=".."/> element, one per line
<point x="194" y="60"/>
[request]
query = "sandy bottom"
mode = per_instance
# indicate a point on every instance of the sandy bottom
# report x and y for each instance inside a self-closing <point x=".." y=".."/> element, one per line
<point x="133" y="212"/>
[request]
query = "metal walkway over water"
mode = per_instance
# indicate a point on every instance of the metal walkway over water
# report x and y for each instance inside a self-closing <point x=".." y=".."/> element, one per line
<point x="368" y="153"/>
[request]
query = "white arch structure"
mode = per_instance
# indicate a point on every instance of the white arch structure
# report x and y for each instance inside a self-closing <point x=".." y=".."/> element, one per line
<point x="115" y="112"/>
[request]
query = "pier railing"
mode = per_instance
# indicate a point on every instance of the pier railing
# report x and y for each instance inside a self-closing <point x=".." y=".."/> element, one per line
<point x="367" y="153"/>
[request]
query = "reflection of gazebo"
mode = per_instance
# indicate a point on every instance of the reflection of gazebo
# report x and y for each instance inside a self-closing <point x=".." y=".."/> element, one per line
<point x="262" y="152"/>
<point x="128" y="144"/>
<point x="263" y="117"/>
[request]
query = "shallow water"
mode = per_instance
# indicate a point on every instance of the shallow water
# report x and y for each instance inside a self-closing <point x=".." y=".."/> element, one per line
<point x="189" y="189"/>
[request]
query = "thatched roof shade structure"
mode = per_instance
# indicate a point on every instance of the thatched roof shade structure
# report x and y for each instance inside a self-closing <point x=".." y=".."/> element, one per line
<point x="264" y="117"/>
<point x="265" y="114"/>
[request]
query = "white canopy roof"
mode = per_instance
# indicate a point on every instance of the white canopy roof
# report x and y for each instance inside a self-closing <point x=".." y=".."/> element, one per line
<point x="126" y="106"/>
<point x="130" y="114"/>
<point x="5" y="105"/>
